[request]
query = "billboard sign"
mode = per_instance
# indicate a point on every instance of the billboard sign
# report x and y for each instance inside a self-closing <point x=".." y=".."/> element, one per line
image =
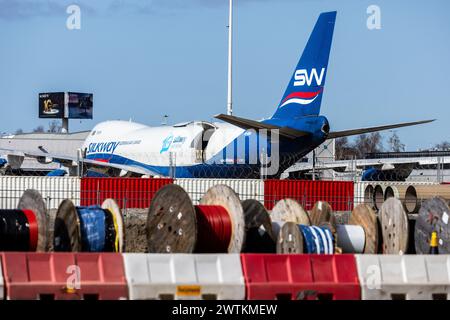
<point x="51" y="105"/>
<point x="79" y="105"/>
<point x="72" y="105"/>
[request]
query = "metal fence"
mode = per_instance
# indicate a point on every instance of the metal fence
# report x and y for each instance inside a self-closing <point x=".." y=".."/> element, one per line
<point x="138" y="192"/>
<point x="53" y="189"/>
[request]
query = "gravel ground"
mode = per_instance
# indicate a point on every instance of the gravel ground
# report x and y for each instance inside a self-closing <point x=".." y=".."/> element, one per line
<point x="135" y="234"/>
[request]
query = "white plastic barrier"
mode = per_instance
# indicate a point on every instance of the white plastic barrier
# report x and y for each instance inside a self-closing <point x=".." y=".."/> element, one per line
<point x="410" y="277"/>
<point x="184" y="276"/>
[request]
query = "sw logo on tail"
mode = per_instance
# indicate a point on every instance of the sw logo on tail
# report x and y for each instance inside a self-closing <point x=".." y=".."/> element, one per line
<point x="301" y="77"/>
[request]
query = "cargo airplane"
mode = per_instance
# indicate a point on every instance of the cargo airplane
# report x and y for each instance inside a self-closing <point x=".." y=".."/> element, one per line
<point x="236" y="147"/>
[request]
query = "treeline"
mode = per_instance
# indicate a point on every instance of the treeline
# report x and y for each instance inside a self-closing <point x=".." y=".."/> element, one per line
<point x="53" y="127"/>
<point x="373" y="142"/>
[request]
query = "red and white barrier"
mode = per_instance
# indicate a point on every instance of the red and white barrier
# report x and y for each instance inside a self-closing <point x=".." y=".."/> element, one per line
<point x="222" y="276"/>
<point x="184" y="276"/>
<point x="300" y="277"/>
<point x="404" y="277"/>
<point x="64" y="276"/>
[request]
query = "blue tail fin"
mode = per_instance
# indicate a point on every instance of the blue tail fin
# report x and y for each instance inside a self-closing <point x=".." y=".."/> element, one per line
<point x="303" y="95"/>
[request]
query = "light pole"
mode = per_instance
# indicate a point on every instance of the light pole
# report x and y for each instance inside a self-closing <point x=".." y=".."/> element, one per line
<point x="230" y="61"/>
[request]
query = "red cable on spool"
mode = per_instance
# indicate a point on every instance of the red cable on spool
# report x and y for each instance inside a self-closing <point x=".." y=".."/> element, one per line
<point x="33" y="228"/>
<point x="214" y="229"/>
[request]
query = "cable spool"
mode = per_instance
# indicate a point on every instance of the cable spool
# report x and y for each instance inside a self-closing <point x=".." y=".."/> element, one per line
<point x="305" y="239"/>
<point x="175" y="225"/>
<point x="394" y="226"/>
<point x="320" y="213"/>
<point x="89" y="229"/>
<point x="433" y="216"/>
<point x="360" y="235"/>
<point x="296" y="235"/>
<point x="25" y="229"/>
<point x="289" y="210"/>
<point x="363" y="216"/>
<point x="259" y="236"/>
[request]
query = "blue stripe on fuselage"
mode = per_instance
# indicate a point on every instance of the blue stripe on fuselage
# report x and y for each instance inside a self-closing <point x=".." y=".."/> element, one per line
<point x="216" y="167"/>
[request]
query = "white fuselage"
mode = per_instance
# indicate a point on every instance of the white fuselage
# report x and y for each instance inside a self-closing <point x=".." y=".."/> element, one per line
<point x="185" y="144"/>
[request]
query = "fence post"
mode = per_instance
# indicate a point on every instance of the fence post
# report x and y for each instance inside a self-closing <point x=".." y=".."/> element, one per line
<point x="98" y="193"/>
<point x="47" y="200"/>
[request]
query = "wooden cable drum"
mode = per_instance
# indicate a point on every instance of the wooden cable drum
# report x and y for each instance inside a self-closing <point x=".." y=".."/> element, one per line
<point x="67" y="234"/>
<point x="224" y="196"/>
<point x="394" y="226"/>
<point x="360" y="235"/>
<point x="290" y="239"/>
<point x="259" y="236"/>
<point x="369" y="196"/>
<point x="350" y="237"/>
<point x="175" y="225"/>
<point x="289" y="210"/>
<point x="89" y="229"/>
<point x="433" y="216"/>
<point x="171" y="221"/>
<point x="416" y="194"/>
<point x="297" y="232"/>
<point x="25" y="229"/>
<point x="115" y="224"/>
<point x="295" y="238"/>
<point x="320" y="213"/>
<point x="363" y="215"/>
<point x="398" y="192"/>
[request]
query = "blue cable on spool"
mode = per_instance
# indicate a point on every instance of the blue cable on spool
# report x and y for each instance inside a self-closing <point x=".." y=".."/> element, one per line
<point x="92" y="225"/>
<point x="317" y="239"/>
<point x="88" y="229"/>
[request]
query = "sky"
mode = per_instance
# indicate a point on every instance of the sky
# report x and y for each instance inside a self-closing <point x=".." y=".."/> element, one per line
<point x="143" y="59"/>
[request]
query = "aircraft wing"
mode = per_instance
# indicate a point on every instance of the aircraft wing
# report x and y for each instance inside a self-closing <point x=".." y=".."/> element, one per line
<point x="252" y="124"/>
<point x="130" y="168"/>
<point x="70" y="161"/>
<point x="339" y="166"/>
<point x="382" y="164"/>
<point x="352" y="132"/>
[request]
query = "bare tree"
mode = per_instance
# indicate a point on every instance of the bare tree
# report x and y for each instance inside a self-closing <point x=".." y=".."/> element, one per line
<point x="443" y="146"/>
<point x="54" y="127"/>
<point x="344" y="149"/>
<point x="395" y="144"/>
<point x="19" y="131"/>
<point x="39" y="129"/>
<point x="368" y="143"/>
